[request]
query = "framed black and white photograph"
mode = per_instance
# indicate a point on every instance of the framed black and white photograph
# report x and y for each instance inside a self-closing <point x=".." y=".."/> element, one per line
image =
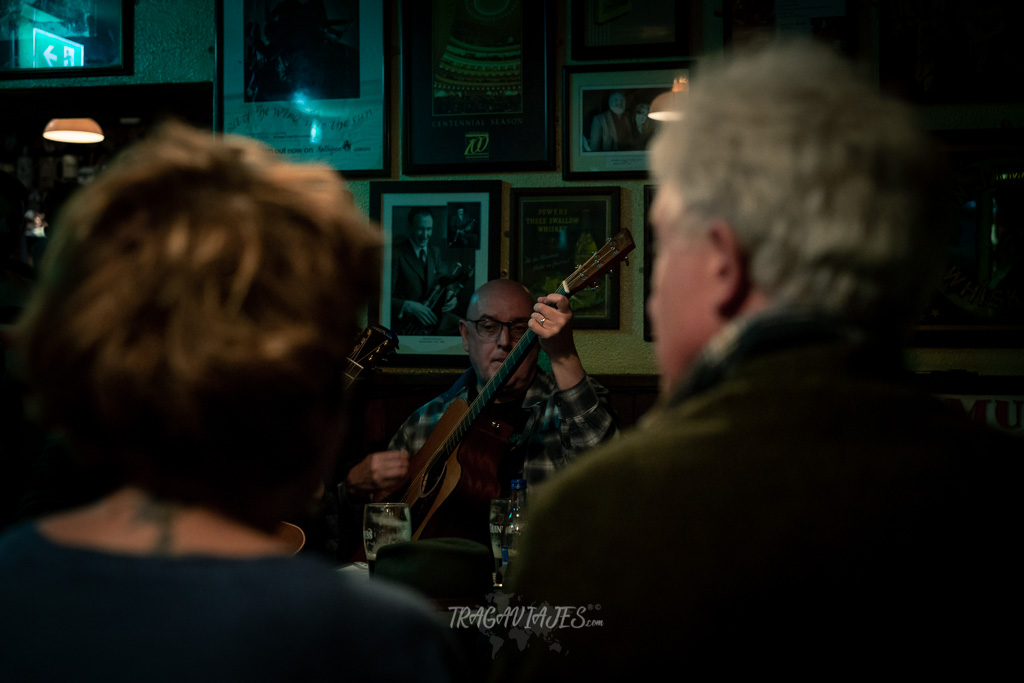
<point x="639" y="29"/>
<point x="980" y="297"/>
<point x="441" y="242"/>
<point x="477" y="86"/>
<point x="67" y="39"/>
<point x="554" y="230"/>
<point x="308" y="79"/>
<point x="606" y="126"/>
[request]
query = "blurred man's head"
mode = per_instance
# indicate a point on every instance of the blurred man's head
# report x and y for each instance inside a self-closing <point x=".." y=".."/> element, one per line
<point x="790" y="183"/>
<point x="488" y="341"/>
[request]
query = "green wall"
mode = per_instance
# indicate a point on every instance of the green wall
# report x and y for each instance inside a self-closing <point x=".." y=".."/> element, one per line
<point x="174" y="43"/>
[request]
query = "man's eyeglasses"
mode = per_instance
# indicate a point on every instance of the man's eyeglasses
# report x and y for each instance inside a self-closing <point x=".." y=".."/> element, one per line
<point x="490" y="328"/>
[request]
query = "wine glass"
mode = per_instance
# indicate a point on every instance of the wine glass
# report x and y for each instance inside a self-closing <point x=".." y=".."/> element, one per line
<point x="384" y="524"/>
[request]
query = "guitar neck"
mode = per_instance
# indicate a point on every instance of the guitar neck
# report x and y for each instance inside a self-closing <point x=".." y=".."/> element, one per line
<point x="492" y="387"/>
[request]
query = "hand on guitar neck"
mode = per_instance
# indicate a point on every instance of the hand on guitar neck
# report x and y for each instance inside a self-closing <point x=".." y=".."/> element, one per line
<point x="551" y="321"/>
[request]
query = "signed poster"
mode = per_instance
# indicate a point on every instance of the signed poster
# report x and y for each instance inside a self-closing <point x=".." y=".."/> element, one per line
<point x="307" y="77"/>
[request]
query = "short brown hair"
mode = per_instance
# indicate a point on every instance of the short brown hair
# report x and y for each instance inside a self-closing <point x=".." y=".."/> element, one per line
<point x="195" y="313"/>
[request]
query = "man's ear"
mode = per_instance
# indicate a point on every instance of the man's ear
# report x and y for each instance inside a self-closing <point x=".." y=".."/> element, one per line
<point x="730" y="269"/>
<point x="464" y="331"/>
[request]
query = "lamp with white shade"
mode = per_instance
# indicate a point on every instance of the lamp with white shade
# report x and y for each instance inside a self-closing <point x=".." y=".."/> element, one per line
<point x="73" y="130"/>
<point x="668" y="105"/>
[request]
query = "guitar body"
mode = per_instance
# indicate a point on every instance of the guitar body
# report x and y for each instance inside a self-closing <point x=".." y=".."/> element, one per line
<point x="467" y="484"/>
<point x="434" y="480"/>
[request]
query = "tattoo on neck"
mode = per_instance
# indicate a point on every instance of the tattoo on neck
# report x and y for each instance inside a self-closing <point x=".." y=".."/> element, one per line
<point x="160" y="513"/>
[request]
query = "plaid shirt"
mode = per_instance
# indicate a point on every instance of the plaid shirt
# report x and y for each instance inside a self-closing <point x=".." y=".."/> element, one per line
<point x="561" y="424"/>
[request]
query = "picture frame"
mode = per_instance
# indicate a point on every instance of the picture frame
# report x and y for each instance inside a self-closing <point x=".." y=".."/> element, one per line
<point x="494" y="114"/>
<point x="314" y="88"/>
<point x="457" y="262"/>
<point x="649" y="192"/>
<point x="920" y="66"/>
<point x="839" y="23"/>
<point x="613" y="30"/>
<point x="554" y="230"/>
<point x="44" y="43"/>
<point x="599" y="142"/>
<point x="980" y="297"/>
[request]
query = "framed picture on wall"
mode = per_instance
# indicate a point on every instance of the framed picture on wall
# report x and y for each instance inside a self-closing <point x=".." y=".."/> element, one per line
<point x="649" y="191"/>
<point x="605" y="125"/>
<point x="980" y="298"/>
<point x="554" y="230"/>
<point x="307" y="79"/>
<point x="641" y="29"/>
<point x="746" y="23"/>
<point x="969" y="53"/>
<point x="67" y="39"/>
<point x="441" y="242"/>
<point x="477" y="87"/>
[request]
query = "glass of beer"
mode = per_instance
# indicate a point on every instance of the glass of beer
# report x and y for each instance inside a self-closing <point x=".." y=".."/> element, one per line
<point x="498" y="519"/>
<point x="384" y="524"/>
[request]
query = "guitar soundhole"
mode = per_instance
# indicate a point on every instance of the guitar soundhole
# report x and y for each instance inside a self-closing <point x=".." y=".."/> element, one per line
<point x="431" y="480"/>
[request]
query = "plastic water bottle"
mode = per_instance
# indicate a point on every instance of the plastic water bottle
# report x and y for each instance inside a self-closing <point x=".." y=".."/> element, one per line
<point x="516" y="524"/>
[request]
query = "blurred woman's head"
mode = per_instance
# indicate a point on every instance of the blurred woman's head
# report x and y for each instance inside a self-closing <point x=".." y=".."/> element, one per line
<point x="194" y="317"/>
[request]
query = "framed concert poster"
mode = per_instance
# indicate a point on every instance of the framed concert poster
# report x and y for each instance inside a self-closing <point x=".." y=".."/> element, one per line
<point x="441" y="242"/>
<point x="308" y="79"/>
<point x="615" y="30"/>
<point x="66" y="39"/>
<point x="605" y="125"/>
<point x="477" y="86"/>
<point x="554" y="230"/>
<point x="980" y="298"/>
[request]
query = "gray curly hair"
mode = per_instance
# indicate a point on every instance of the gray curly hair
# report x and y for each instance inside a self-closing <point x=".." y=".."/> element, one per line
<point x="834" y="190"/>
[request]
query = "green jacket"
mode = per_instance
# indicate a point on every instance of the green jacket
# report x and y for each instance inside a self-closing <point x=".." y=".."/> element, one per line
<point x="808" y="512"/>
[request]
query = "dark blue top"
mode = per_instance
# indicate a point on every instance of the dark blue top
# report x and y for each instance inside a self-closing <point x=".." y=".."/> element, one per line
<point x="73" y="614"/>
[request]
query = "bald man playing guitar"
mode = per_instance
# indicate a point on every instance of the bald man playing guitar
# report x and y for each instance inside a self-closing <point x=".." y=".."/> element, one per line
<point x="538" y="422"/>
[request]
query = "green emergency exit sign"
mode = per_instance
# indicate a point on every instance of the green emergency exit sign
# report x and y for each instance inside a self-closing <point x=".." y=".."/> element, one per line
<point x="49" y="50"/>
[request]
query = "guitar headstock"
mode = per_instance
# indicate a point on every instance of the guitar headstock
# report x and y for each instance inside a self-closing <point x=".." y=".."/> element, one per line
<point x="610" y="253"/>
<point x="374" y="345"/>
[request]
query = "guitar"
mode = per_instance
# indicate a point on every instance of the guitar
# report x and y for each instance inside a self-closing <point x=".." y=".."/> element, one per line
<point x="373" y="347"/>
<point x="446" y="287"/>
<point x="436" y="466"/>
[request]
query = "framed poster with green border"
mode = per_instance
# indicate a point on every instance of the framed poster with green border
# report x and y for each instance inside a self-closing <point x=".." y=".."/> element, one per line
<point x="554" y="230"/>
